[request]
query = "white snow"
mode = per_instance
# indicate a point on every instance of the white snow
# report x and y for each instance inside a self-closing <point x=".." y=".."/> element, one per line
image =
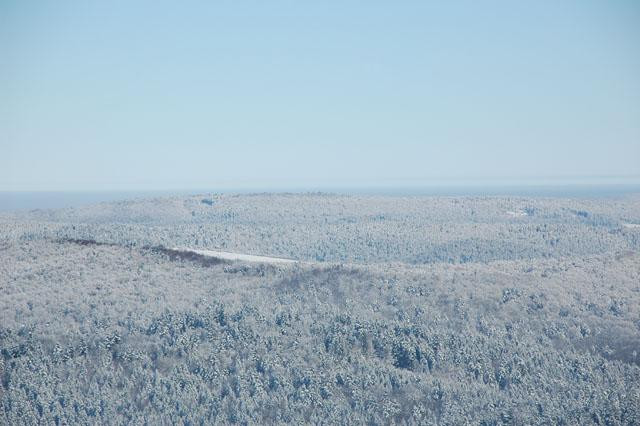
<point x="225" y="255"/>
<point x="519" y="213"/>
<point x="632" y="225"/>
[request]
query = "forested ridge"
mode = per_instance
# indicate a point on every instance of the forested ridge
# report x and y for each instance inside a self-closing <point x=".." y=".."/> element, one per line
<point x="410" y="310"/>
<point x="357" y="229"/>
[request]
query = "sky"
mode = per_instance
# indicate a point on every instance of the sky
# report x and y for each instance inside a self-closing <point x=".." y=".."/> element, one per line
<point x="125" y="95"/>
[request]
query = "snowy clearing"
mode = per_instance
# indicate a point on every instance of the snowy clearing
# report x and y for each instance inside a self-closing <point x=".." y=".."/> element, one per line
<point x="225" y="255"/>
<point x="519" y="213"/>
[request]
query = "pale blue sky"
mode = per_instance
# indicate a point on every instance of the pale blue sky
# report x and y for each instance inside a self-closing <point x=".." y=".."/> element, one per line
<point x="168" y="95"/>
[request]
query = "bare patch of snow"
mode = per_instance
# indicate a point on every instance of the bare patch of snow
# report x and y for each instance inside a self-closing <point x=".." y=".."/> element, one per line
<point x="519" y="213"/>
<point x="225" y="255"/>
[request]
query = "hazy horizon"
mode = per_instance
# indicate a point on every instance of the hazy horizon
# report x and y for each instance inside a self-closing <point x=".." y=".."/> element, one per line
<point x="29" y="200"/>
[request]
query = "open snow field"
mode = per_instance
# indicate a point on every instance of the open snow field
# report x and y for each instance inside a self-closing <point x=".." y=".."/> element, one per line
<point x="225" y="255"/>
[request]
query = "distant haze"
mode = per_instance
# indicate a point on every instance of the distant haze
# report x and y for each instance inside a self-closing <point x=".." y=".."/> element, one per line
<point x="155" y="95"/>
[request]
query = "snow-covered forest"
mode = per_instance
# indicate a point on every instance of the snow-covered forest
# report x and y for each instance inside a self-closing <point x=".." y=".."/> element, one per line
<point x="405" y="310"/>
